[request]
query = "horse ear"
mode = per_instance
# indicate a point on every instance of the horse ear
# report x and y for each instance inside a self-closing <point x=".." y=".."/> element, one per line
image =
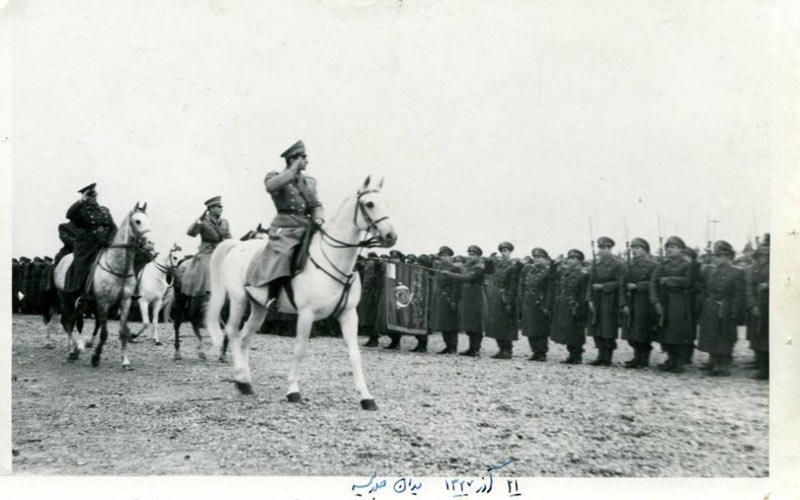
<point x="366" y="183"/>
<point x="259" y="226"/>
<point x="136" y="207"/>
<point x="380" y="184"/>
<point x="144" y="207"/>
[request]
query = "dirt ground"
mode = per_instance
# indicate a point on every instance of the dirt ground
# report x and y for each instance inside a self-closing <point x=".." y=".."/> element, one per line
<point x="438" y="415"/>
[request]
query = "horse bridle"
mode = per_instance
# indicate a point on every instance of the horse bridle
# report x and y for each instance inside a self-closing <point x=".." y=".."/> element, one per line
<point x="170" y="268"/>
<point x="136" y="247"/>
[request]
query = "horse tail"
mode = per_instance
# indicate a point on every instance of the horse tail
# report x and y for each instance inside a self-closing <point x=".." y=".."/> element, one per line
<point x="218" y="294"/>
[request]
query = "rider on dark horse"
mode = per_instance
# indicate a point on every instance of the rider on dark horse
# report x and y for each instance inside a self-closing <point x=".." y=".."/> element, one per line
<point x="212" y="229"/>
<point x="295" y="198"/>
<point x="96" y="230"/>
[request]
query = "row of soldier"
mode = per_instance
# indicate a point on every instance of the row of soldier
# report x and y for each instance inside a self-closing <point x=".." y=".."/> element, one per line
<point x="682" y="301"/>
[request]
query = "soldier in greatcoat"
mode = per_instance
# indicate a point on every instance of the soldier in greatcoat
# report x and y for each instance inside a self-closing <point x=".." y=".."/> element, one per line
<point x="295" y="197"/>
<point x="570" y="308"/>
<point x="446" y="296"/>
<point x="501" y="300"/>
<point x="669" y="293"/>
<point x="639" y="315"/>
<point x="757" y="296"/>
<point x="473" y="300"/>
<point x="96" y="230"/>
<point x="536" y="295"/>
<point x="212" y="229"/>
<point x="723" y="295"/>
<point x="695" y="277"/>
<point x="606" y="298"/>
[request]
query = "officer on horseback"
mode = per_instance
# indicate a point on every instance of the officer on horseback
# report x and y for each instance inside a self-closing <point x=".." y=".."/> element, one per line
<point x="212" y="229"/>
<point x="96" y="229"/>
<point x="295" y="198"/>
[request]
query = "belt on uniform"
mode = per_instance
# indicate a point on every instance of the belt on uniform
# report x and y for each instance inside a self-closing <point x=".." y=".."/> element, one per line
<point x="292" y="212"/>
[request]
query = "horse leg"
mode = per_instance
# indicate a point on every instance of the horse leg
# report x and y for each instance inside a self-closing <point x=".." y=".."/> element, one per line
<point x="176" y="324"/>
<point x="223" y="351"/>
<point x="241" y="366"/>
<point x="154" y="322"/>
<point x="304" y="321"/>
<point x="124" y="331"/>
<point x="101" y="317"/>
<point x="195" y="318"/>
<point x="144" y="312"/>
<point x="348" y="320"/>
<point x="55" y="319"/>
<point x="89" y="343"/>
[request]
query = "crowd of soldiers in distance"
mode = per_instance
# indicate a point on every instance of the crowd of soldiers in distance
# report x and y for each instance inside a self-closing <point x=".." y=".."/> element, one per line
<point x="681" y="299"/>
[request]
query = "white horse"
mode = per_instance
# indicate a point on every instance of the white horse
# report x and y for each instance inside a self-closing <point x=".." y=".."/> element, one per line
<point x="326" y="286"/>
<point x="155" y="284"/>
<point x="113" y="282"/>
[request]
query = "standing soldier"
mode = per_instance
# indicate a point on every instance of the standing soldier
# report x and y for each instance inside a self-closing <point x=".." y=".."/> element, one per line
<point x="723" y="303"/>
<point x="501" y="298"/>
<point x="473" y="299"/>
<point x="446" y="295"/>
<point x="606" y="298"/>
<point x="758" y="309"/>
<point x="96" y="230"/>
<point x="640" y="318"/>
<point x="570" y="306"/>
<point x="212" y="229"/>
<point x="694" y="292"/>
<point x="536" y="285"/>
<point x="16" y="284"/>
<point x="669" y="293"/>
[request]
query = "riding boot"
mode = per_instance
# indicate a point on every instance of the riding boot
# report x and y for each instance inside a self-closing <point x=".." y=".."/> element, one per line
<point x="372" y="342"/>
<point x="273" y="295"/>
<point x="395" y="344"/>
<point x="422" y="344"/>
<point x="637" y="358"/>
<point x="601" y="357"/>
<point x="608" y="357"/>
<point x="670" y="363"/>
<point x="644" y="359"/>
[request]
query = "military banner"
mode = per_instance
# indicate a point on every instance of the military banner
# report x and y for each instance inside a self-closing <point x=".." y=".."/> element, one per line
<point x="404" y="302"/>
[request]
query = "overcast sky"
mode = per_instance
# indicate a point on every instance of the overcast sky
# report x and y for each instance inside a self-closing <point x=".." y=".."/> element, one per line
<point x="490" y="121"/>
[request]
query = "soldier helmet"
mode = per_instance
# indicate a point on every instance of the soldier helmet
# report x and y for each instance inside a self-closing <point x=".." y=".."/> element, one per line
<point x="506" y="245"/>
<point x="214" y="202"/>
<point x="722" y="247"/>
<point x="539" y="252"/>
<point x="475" y="249"/>
<point x="575" y="253"/>
<point x="88" y="189"/>
<point x="424" y="260"/>
<point x="373" y="255"/>
<point x="445" y="251"/>
<point x="641" y="243"/>
<point x="298" y="148"/>
<point x="605" y="241"/>
<point x="675" y="240"/>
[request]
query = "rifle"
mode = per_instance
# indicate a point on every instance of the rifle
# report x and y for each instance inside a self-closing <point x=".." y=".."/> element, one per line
<point x="626" y="318"/>
<point x="660" y="240"/>
<point x="594" y="274"/>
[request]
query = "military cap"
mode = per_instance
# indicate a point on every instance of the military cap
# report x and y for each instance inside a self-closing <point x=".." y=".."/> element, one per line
<point x="24" y="259"/>
<point x="298" y="148"/>
<point x="14" y="260"/>
<point x="47" y="258"/>
<point x="675" y="240"/>
<point x="539" y="252"/>
<point x="384" y="256"/>
<point x="88" y="188"/>
<point x="575" y="253"/>
<point x="723" y="247"/>
<point x="411" y="258"/>
<point x="214" y="202"/>
<point x="605" y="241"/>
<point x="37" y="259"/>
<point x="445" y="250"/>
<point x="641" y="243"/>
<point x="475" y="249"/>
<point x="425" y="260"/>
<point x="396" y="254"/>
<point x="505" y="244"/>
<point x="372" y="254"/>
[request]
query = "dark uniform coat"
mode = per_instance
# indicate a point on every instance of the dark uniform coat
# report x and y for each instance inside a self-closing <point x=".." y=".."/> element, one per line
<point x="673" y="295"/>
<point x="536" y="295"/>
<point x="16" y="284"/>
<point x="67" y="233"/>
<point x="195" y="281"/>
<point x="757" y="294"/>
<point x="473" y="299"/>
<point x="641" y="323"/>
<point x="723" y="304"/>
<point x="96" y="230"/>
<point x="501" y="300"/>
<point x="570" y="309"/>
<point x="295" y="203"/>
<point x="371" y="274"/>
<point x="609" y="273"/>
<point x="446" y="293"/>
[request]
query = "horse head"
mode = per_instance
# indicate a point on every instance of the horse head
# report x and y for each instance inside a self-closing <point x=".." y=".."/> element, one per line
<point x="175" y="256"/>
<point x="138" y="221"/>
<point x="370" y="214"/>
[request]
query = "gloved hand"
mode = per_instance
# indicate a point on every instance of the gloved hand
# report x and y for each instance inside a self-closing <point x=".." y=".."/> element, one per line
<point x="318" y="222"/>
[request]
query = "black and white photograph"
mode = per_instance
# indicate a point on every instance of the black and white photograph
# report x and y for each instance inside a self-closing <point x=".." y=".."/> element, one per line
<point x="388" y="249"/>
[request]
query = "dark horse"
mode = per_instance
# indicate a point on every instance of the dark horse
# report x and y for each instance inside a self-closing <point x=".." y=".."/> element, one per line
<point x="192" y="309"/>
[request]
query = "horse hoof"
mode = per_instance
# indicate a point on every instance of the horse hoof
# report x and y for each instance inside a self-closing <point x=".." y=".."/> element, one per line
<point x="177" y="356"/>
<point x="201" y="355"/>
<point x="369" y="404"/>
<point x="223" y="360"/>
<point x="127" y="368"/>
<point x="48" y="345"/>
<point x="87" y="344"/>
<point x="158" y="342"/>
<point x="245" y="388"/>
<point x="293" y="397"/>
<point x="95" y="361"/>
<point x="72" y="357"/>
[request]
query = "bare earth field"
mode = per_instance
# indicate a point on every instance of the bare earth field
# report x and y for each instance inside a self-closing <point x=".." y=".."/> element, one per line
<point x="438" y="415"/>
